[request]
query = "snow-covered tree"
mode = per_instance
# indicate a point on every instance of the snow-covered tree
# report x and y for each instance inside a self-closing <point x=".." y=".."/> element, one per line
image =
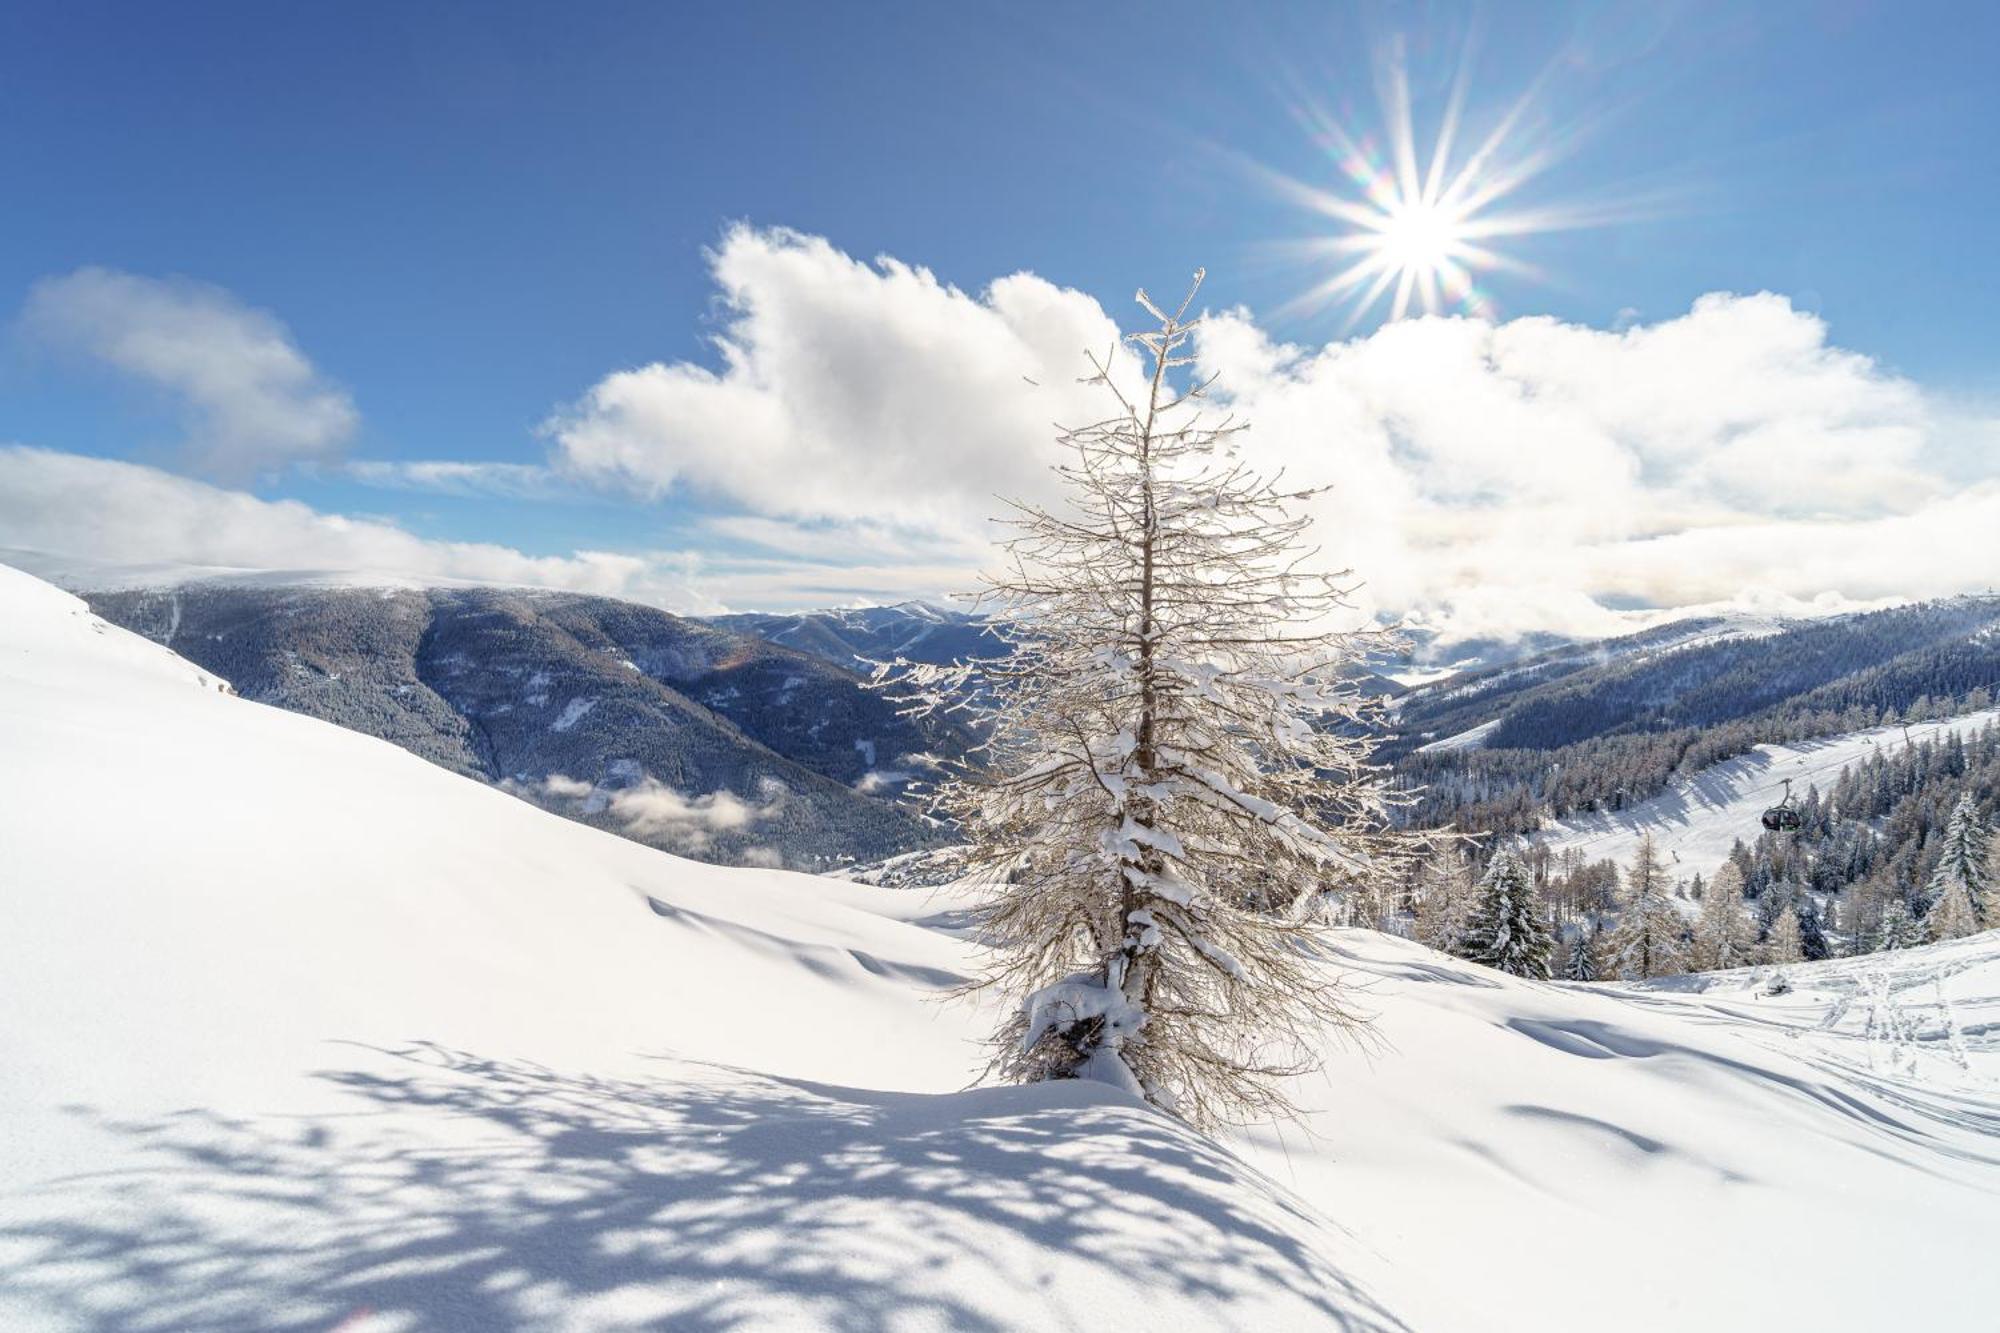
<point x="1647" y="940"/>
<point x="1177" y="761"/>
<point x="1580" y="963"/>
<point x="1782" y="944"/>
<point x="1963" y="870"/>
<point x="1951" y="916"/>
<point x="1723" y="937"/>
<point x="1445" y="895"/>
<point x="1506" y="929"/>
<point x="1370" y="904"/>
<point x="1813" y="943"/>
<point x="1992" y="921"/>
<point x="1899" y="929"/>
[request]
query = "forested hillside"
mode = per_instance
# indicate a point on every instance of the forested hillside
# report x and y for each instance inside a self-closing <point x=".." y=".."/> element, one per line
<point x="853" y="638"/>
<point x="1572" y="734"/>
<point x="682" y="735"/>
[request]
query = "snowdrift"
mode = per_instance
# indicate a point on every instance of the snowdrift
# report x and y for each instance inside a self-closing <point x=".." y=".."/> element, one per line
<point x="303" y="1032"/>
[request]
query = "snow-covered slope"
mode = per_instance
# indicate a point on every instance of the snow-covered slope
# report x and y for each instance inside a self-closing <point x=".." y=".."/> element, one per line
<point x="1697" y="820"/>
<point x="303" y="1032"/>
<point x="1929" y="1015"/>
<point x="1593" y="1157"/>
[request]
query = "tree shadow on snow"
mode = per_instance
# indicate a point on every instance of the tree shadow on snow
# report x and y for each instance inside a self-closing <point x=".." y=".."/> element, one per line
<point x="464" y="1193"/>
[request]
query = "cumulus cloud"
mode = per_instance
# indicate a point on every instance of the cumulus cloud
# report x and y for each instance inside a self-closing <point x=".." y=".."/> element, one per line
<point x="847" y="390"/>
<point x="1487" y="479"/>
<point x="1537" y="474"/>
<point x="252" y="400"/>
<point x="859" y="420"/>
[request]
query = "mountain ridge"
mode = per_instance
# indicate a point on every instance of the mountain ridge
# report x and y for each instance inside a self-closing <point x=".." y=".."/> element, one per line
<point x="683" y="735"/>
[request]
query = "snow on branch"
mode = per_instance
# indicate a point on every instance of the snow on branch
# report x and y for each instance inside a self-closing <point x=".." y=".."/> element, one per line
<point x="1175" y="757"/>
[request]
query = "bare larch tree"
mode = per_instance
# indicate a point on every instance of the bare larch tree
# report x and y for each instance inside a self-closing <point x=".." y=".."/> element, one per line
<point x="1177" y="760"/>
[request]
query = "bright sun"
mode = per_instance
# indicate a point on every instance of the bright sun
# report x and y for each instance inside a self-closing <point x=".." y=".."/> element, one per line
<point x="1420" y="236"/>
<point x="1417" y="233"/>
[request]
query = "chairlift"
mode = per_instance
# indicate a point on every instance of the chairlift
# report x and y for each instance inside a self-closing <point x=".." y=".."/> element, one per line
<point x="1784" y="817"/>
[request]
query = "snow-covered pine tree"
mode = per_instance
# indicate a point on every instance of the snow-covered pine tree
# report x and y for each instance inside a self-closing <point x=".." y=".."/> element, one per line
<point x="1782" y="944"/>
<point x="1444" y="898"/>
<point x="1723" y="937"/>
<point x="1647" y="940"/>
<point x="1177" y="760"/>
<point x="1813" y="943"/>
<point x="1963" y="869"/>
<point x="1506" y="929"/>
<point x="1581" y="962"/>
<point x="1899" y="929"/>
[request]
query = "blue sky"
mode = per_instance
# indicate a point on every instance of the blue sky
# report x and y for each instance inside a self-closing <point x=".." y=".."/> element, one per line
<point x="465" y="217"/>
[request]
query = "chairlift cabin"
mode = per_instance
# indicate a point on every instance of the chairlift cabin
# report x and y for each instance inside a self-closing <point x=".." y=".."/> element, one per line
<point x="1784" y="817"/>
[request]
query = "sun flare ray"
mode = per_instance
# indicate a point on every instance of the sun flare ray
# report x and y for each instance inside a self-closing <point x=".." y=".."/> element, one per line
<point x="1414" y="231"/>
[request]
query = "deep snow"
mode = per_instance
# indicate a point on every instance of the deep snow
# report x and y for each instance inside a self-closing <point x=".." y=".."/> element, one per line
<point x="303" y="1032"/>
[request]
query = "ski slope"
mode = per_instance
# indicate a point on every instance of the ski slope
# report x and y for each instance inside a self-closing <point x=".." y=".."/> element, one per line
<point x="1698" y="819"/>
<point x="1930" y="1016"/>
<point x="304" y="1033"/>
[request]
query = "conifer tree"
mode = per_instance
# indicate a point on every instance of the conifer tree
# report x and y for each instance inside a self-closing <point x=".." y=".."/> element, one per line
<point x="1647" y="940"/>
<point x="1899" y="929"/>
<point x="1507" y="930"/>
<point x="1581" y="963"/>
<point x="1962" y="865"/>
<point x="1177" y="764"/>
<point x="1723" y="937"/>
<point x="1813" y="945"/>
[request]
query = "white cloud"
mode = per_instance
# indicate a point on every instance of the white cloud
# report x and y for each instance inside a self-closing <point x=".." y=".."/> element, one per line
<point x="1490" y="478"/>
<point x="650" y="809"/>
<point x="520" y="481"/>
<point x="1486" y="479"/>
<point x="252" y="400"/>
<point x="95" y="522"/>
<point x="98" y="519"/>
<point x="1529" y="475"/>
<point x="847" y="391"/>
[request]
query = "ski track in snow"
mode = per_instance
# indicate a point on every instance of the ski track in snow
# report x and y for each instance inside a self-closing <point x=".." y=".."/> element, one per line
<point x="305" y="1033"/>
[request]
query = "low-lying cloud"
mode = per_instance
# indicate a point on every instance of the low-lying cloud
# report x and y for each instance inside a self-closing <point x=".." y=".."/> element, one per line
<point x="94" y="522"/>
<point x="652" y="811"/>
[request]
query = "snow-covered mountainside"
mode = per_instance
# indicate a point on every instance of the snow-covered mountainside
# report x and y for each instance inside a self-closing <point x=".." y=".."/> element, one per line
<point x="686" y="737"/>
<point x="304" y="1032"/>
<point x="1713" y="669"/>
<point x="857" y="636"/>
<point x="1698" y="819"/>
